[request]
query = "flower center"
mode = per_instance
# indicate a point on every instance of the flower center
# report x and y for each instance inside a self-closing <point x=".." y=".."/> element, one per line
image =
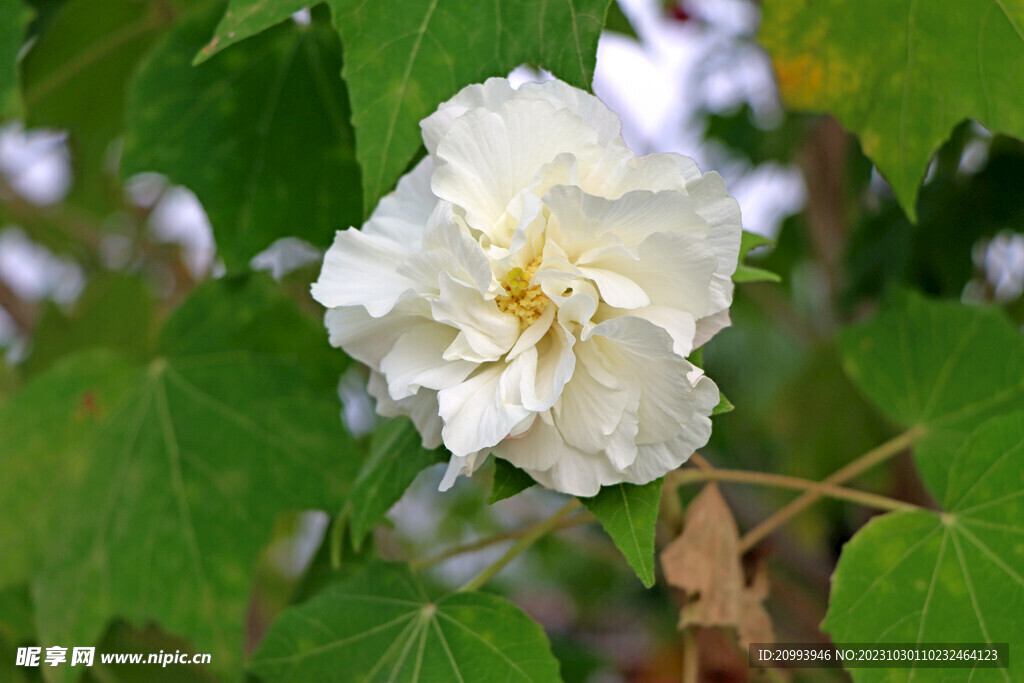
<point x="522" y="300"/>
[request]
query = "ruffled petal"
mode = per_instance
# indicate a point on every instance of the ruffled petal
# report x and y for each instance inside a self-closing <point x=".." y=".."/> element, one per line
<point x="487" y="157"/>
<point x="547" y="367"/>
<point x="401" y="215"/>
<point x="362" y="270"/>
<point x="655" y="459"/>
<point x="416" y="361"/>
<point x="477" y="413"/>
<point x="708" y="327"/>
<point x="640" y="354"/>
<point x="447" y="248"/>
<point x="583" y="222"/>
<point x="671" y="269"/>
<point x="365" y="338"/>
<point x="490" y="94"/>
<point x="571" y="470"/>
<point x="421" y="408"/>
<point x="486" y="333"/>
<point x="589" y="409"/>
<point x="722" y="214"/>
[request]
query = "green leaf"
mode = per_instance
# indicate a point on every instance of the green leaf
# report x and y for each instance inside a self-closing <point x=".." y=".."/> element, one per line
<point x="74" y="78"/>
<point x="745" y="273"/>
<point x="259" y="133"/>
<point x="404" y="57"/>
<point x="752" y="240"/>
<point x="724" y="405"/>
<point x="13" y="18"/>
<point x="628" y="513"/>
<point x="901" y="75"/>
<point x="156" y="484"/>
<point x="245" y="18"/>
<point x="509" y="480"/>
<point x="618" y="22"/>
<point x="115" y="312"/>
<point x="396" y="457"/>
<point x="952" y="577"/>
<point x="942" y="366"/>
<point x="17" y="629"/>
<point x="381" y="625"/>
<point x="248" y="312"/>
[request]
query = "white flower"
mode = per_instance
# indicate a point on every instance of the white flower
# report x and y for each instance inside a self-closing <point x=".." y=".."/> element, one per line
<point x="532" y="289"/>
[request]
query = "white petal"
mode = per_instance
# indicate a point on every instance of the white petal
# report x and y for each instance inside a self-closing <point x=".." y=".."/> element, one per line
<point x="365" y="338"/>
<point x="416" y="361"/>
<point x="654" y="460"/>
<point x="547" y="367"/>
<point x="447" y="248"/>
<point x="362" y="269"/>
<point x="490" y="94"/>
<point x="617" y="289"/>
<point x="673" y="270"/>
<point x="555" y="464"/>
<point x="402" y="215"/>
<point x="533" y="334"/>
<point x="486" y="157"/>
<point x="422" y="408"/>
<point x="708" y="327"/>
<point x="488" y="332"/>
<point x="622" y="450"/>
<point x="679" y="324"/>
<point x="640" y="354"/>
<point x="476" y="414"/>
<point x="589" y="411"/>
<point x="619" y="173"/>
<point x="459" y="465"/>
<point x="584" y="221"/>
<point x="722" y="214"/>
<point x="593" y="111"/>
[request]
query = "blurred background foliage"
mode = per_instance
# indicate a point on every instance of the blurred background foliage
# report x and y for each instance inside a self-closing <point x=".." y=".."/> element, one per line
<point x="98" y="252"/>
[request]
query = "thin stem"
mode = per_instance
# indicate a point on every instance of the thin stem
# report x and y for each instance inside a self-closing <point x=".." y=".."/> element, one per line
<point x="525" y="542"/>
<point x="873" y="500"/>
<point x="800" y="503"/>
<point x="488" y="541"/>
<point x="691" y="660"/>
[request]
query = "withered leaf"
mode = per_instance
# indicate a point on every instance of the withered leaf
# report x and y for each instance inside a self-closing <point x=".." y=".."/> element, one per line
<point x="705" y="562"/>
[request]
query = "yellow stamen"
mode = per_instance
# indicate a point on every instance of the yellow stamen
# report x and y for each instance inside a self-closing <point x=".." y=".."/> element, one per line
<point x="523" y="301"/>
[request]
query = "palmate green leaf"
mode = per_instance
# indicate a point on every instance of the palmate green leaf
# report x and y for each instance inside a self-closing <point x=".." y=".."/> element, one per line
<point x="629" y="513"/>
<point x="145" y="490"/>
<point x="115" y="312"/>
<point x="396" y="457"/>
<point x="509" y="480"/>
<point x="942" y="366"/>
<point x="14" y="16"/>
<point x="404" y="57"/>
<point x="944" y="577"/>
<point x="901" y="75"/>
<point x="245" y="18"/>
<point x="382" y="625"/>
<point x="260" y="133"/>
<point x="74" y="79"/>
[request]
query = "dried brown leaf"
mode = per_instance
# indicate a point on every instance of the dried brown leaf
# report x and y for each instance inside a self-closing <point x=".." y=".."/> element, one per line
<point x="705" y="562"/>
